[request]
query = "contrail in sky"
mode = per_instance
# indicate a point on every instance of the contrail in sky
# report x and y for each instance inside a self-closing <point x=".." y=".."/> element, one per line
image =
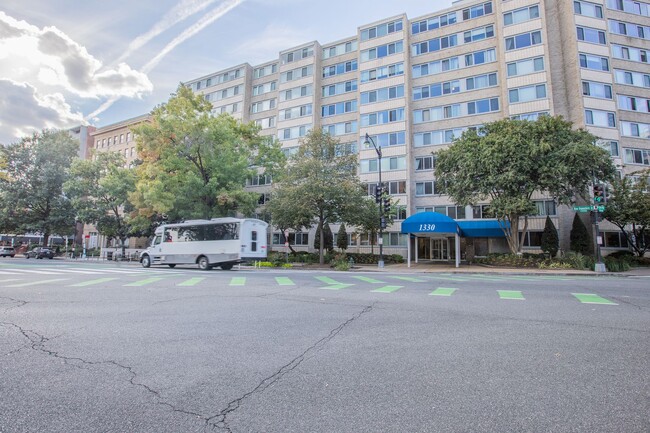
<point x="178" y="13"/>
<point x="195" y="28"/>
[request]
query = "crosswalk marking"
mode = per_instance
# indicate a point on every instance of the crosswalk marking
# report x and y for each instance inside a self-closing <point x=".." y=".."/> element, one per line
<point x="284" y="281"/>
<point x="511" y="294"/>
<point x="443" y="291"/>
<point x="238" y="281"/>
<point x="590" y="298"/>
<point x="411" y="279"/>
<point x="144" y="282"/>
<point x="368" y="279"/>
<point x="93" y="282"/>
<point x="191" y="282"/>
<point x="387" y="289"/>
<point x="333" y="284"/>
<point x="35" y="283"/>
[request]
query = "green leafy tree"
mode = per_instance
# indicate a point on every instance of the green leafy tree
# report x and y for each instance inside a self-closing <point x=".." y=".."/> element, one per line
<point x="507" y="161"/>
<point x="550" y="238"/>
<point x="195" y="165"/>
<point x="580" y="241"/>
<point x="32" y="185"/>
<point x="320" y="186"/>
<point x="366" y="220"/>
<point x="327" y="235"/>
<point x="628" y="208"/>
<point x="342" y="238"/>
<point x="99" y="190"/>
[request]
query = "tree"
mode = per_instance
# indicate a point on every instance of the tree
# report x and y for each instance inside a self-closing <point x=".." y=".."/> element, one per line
<point x="580" y="241"/>
<point x="328" y="245"/>
<point x="342" y="238"/>
<point x="195" y="165"/>
<point x="99" y="190"/>
<point x="628" y="208"/>
<point x="320" y="186"/>
<point x="550" y="239"/>
<point x="32" y="186"/>
<point x="367" y="220"/>
<point x="507" y="161"/>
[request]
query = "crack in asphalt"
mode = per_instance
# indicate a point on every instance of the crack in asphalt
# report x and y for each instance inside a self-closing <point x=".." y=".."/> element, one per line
<point x="37" y="343"/>
<point x="219" y="421"/>
<point x="19" y="303"/>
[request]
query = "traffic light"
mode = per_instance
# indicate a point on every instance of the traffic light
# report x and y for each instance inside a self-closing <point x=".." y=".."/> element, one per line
<point x="386" y="205"/>
<point x="599" y="193"/>
<point x="378" y="193"/>
<point x="606" y="193"/>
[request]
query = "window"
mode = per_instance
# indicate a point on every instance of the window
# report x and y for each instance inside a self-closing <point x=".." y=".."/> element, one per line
<point x="433" y="45"/>
<point x="596" y="63"/>
<point x="337" y="50"/>
<point x="265" y="70"/>
<point x="339" y="88"/>
<point x="480" y="57"/>
<point x="381" y="95"/>
<point x="382" y="72"/>
<point x="609" y="146"/>
<point x="633" y="103"/>
<point x="385" y="140"/>
<point x="532" y="239"/>
<point x="629" y="29"/>
<point x="520" y="15"/>
<point x="630" y="53"/>
<point x="478" y="34"/>
<point x="594" y="36"/>
<point x="381" y="30"/>
<point x="597" y="90"/>
<point x="261" y="179"/>
<point x="340" y="68"/>
<point x="295" y="112"/>
<point x="526" y="66"/>
<point x="295" y="132"/>
<point x="382" y="51"/>
<point x="387" y="164"/>
<point x="637" y="156"/>
<point x="258" y="107"/>
<point x="341" y="128"/>
<point x="300" y="54"/>
<point x="424" y="188"/>
<point x="635" y="129"/>
<point x="529" y="116"/>
<point x="339" y="108"/>
<point x="632" y="78"/>
<point x="481" y="211"/>
<point x="483" y="106"/>
<point x="433" y="23"/>
<point x="544" y="208"/>
<point x="604" y="119"/>
<point x="523" y="40"/>
<point x="296" y="92"/>
<point x="588" y="9"/>
<point x="435" y="138"/>
<point x="436" y="113"/>
<point x="424" y="163"/>
<point x="629" y="6"/>
<point x="481" y="81"/>
<point x="382" y="117"/>
<point x="477" y="11"/>
<point x="264" y="88"/>
<point x="437" y="89"/>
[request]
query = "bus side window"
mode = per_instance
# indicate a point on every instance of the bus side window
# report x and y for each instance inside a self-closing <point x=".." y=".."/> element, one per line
<point x="157" y="240"/>
<point x="253" y="241"/>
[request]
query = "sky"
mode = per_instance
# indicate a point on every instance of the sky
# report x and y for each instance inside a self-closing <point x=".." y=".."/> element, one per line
<point x="68" y="62"/>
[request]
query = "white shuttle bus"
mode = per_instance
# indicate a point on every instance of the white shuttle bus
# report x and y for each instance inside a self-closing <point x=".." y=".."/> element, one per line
<point x="221" y="242"/>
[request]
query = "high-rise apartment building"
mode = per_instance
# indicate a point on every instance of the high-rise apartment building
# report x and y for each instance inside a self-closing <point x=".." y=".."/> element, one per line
<point x="414" y="85"/>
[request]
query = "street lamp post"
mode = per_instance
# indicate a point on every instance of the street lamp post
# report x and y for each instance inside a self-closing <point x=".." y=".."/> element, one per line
<point x="380" y="264"/>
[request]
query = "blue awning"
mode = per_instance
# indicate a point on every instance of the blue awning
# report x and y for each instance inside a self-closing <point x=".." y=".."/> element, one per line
<point x="429" y="222"/>
<point x="481" y="229"/>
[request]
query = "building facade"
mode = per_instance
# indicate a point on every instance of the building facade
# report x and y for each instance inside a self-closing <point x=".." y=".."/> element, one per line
<point x="415" y="84"/>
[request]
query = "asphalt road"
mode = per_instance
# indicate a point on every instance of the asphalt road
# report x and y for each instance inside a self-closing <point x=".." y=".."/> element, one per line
<point x="105" y="348"/>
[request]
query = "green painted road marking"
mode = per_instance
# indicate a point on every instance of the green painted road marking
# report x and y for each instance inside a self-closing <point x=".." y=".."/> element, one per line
<point x="328" y="280"/>
<point x="411" y="279"/>
<point x="368" y="280"/>
<point x="143" y="282"/>
<point x="35" y="283"/>
<point x="511" y="294"/>
<point x="238" y="281"/>
<point x="443" y="291"/>
<point x="284" y="281"/>
<point x="333" y="284"/>
<point x="452" y="278"/>
<point x="93" y="282"/>
<point x="387" y="289"/>
<point x="590" y="298"/>
<point x="191" y="282"/>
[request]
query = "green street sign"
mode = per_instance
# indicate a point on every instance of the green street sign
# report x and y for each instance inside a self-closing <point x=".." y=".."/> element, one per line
<point x="583" y="209"/>
<point x="600" y="208"/>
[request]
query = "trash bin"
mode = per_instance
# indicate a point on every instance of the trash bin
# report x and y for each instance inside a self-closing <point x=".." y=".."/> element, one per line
<point x="109" y="255"/>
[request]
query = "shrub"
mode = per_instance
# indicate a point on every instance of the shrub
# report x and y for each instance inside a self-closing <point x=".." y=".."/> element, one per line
<point x="576" y="260"/>
<point x="616" y="265"/>
<point x="550" y="239"/>
<point x="581" y="241"/>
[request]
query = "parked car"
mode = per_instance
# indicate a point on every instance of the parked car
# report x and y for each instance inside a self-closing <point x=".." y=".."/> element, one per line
<point x="40" y="253"/>
<point x="7" y="252"/>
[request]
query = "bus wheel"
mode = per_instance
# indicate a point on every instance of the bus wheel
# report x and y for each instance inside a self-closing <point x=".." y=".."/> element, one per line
<point x="146" y="261"/>
<point x="226" y="266"/>
<point x="173" y="265"/>
<point x="204" y="265"/>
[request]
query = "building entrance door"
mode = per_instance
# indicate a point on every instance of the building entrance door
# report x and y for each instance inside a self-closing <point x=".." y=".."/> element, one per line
<point x="424" y="248"/>
<point x="440" y="249"/>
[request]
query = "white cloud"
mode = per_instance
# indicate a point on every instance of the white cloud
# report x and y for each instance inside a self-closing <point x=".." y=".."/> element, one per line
<point x="23" y="111"/>
<point x="48" y="56"/>
<point x="275" y="38"/>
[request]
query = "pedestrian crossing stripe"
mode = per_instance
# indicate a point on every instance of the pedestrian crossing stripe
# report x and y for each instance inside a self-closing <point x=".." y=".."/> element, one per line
<point x="411" y="279"/>
<point x="387" y="289"/>
<point x="237" y="281"/>
<point x="36" y="283"/>
<point x="590" y="298"/>
<point x="368" y="279"/>
<point x="93" y="282"/>
<point x="191" y="282"/>
<point x="443" y="291"/>
<point x="511" y="294"/>
<point x="284" y="281"/>
<point x="332" y="283"/>
<point x="144" y="282"/>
